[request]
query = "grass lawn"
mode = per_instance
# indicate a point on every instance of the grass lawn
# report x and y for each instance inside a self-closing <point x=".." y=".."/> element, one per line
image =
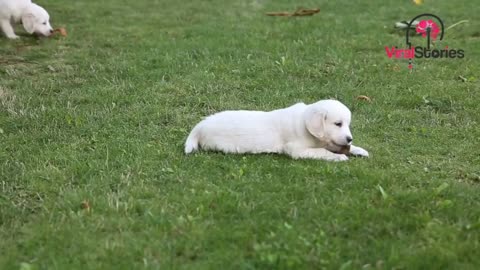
<point x="101" y="116"/>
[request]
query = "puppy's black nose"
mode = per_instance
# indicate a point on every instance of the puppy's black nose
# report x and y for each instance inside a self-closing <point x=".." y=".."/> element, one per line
<point x="51" y="31"/>
<point x="349" y="139"/>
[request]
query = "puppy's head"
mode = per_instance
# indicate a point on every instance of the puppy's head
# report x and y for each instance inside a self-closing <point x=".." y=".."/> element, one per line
<point x="329" y="121"/>
<point x="36" y="20"/>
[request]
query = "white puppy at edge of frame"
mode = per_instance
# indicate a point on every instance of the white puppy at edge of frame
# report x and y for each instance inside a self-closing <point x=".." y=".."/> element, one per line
<point x="34" y="18"/>
<point x="315" y="131"/>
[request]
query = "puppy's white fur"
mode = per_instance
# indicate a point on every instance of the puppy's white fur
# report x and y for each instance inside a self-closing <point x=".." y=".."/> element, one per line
<point x="34" y="18"/>
<point x="313" y="131"/>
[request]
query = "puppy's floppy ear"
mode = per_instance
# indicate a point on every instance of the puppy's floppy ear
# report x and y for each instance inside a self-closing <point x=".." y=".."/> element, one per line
<point x="315" y="121"/>
<point x="28" y="20"/>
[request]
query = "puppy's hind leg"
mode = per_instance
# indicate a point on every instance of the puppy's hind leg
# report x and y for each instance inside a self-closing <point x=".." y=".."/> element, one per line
<point x="192" y="143"/>
<point x="298" y="152"/>
<point x="7" y="29"/>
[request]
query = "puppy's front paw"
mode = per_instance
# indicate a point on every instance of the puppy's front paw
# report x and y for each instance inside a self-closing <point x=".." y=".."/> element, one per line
<point x="338" y="157"/>
<point x="358" y="151"/>
<point x="13" y="36"/>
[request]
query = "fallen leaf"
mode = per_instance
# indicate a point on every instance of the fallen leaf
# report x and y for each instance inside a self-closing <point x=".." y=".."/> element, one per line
<point x="418" y="2"/>
<point x="305" y="12"/>
<point x="362" y="97"/>
<point x="298" y="12"/>
<point x="382" y="191"/>
<point x="277" y="14"/>
<point x="463" y="79"/>
<point x="62" y="31"/>
<point x="344" y="150"/>
<point x="85" y="205"/>
<point x="441" y="188"/>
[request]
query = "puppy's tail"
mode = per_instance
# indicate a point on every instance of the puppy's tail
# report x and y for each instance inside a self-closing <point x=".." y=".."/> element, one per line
<point x="192" y="141"/>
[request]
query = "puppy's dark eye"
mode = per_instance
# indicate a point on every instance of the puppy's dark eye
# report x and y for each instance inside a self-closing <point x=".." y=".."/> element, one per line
<point x="339" y="124"/>
<point x="44" y="23"/>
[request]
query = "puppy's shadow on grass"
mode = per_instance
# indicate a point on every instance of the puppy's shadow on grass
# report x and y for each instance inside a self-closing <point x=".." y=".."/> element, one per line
<point x="28" y="49"/>
<point x="261" y="157"/>
<point x="25" y="40"/>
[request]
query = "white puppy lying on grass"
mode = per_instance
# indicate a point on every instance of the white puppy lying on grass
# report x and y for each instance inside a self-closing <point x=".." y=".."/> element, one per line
<point x="34" y="18"/>
<point x="313" y="131"/>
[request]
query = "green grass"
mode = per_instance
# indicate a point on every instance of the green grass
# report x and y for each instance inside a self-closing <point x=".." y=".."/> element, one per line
<point x="102" y="115"/>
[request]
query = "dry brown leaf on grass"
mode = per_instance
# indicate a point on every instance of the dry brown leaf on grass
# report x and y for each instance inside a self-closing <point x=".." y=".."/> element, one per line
<point x="62" y="31"/>
<point x="298" y="12"/>
<point x="278" y="14"/>
<point x="344" y="150"/>
<point x="85" y="205"/>
<point x="362" y="97"/>
<point x="305" y="12"/>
